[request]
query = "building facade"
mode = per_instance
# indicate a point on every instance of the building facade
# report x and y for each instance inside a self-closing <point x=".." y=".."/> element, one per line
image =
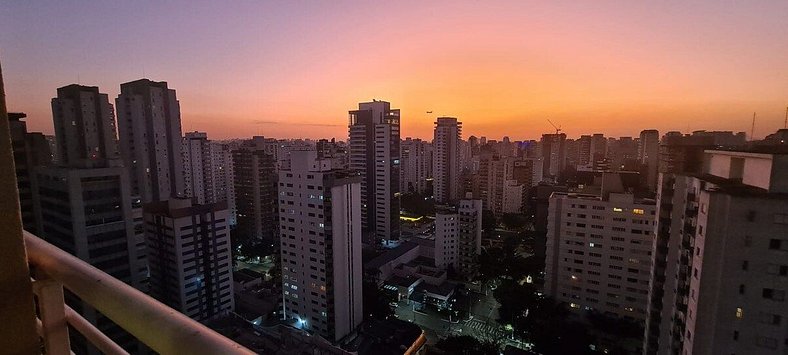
<point x="470" y="241"/>
<point x="84" y="206"/>
<point x="149" y="127"/>
<point x="447" y="239"/>
<point x="31" y="149"/>
<point x="648" y="154"/>
<point x="320" y="232"/>
<point x="374" y="131"/>
<point x="446" y="170"/>
<point x="189" y="257"/>
<point x="726" y="272"/>
<point x="598" y="254"/>
<point x="416" y="165"/>
<point x="254" y="180"/>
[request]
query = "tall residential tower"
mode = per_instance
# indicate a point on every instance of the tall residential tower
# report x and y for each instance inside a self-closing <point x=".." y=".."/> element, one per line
<point x="374" y="155"/>
<point x="446" y="171"/>
<point x="149" y="126"/>
<point x="320" y="218"/>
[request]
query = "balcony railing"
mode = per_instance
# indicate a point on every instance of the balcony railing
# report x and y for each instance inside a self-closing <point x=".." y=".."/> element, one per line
<point x="158" y="326"/>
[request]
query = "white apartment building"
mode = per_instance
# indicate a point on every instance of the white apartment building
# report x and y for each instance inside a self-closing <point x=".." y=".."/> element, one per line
<point x="208" y="171"/>
<point x="416" y="165"/>
<point x="320" y="233"/>
<point x="446" y="170"/>
<point x="726" y="265"/>
<point x="599" y="252"/>
<point x="197" y="174"/>
<point x="189" y="257"/>
<point x="149" y="126"/>
<point x="447" y="239"/>
<point x="374" y="131"/>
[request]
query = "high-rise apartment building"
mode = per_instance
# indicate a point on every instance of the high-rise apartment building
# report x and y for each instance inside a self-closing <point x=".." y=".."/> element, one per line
<point x="553" y="148"/>
<point x="207" y="169"/>
<point x="149" y="126"/>
<point x="197" y="167"/>
<point x="491" y="179"/>
<point x="527" y="171"/>
<point x="84" y="206"/>
<point x="470" y="241"/>
<point x="320" y="220"/>
<point x="598" y="254"/>
<point x="447" y="238"/>
<point x="512" y="197"/>
<point x="415" y="165"/>
<point x="584" y="155"/>
<point x="446" y="170"/>
<point x="648" y="154"/>
<point x="31" y="149"/>
<point x="254" y="179"/>
<point x="622" y="152"/>
<point x="721" y="274"/>
<point x="374" y="131"/>
<point x="189" y="257"/>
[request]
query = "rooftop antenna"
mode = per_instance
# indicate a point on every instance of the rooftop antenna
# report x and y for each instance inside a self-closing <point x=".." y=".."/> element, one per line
<point x="785" y="124"/>
<point x="752" y="129"/>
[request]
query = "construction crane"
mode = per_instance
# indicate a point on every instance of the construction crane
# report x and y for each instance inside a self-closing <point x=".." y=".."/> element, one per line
<point x="557" y="128"/>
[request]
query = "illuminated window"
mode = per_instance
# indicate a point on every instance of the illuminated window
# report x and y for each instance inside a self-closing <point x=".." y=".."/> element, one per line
<point x="638" y="211"/>
<point x="574" y="305"/>
<point x="739" y="312"/>
<point x="616" y="209"/>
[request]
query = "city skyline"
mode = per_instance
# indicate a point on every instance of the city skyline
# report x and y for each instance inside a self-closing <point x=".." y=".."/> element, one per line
<point x="588" y="68"/>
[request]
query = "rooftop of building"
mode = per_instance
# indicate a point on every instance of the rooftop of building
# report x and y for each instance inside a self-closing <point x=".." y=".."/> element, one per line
<point x="771" y="149"/>
<point x="400" y="281"/>
<point x="445" y="289"/>
<point x="422" y="261"/>
<point x="390" y="255"/>
<point x="735" y="187"/>
<point x="178" y="207"/>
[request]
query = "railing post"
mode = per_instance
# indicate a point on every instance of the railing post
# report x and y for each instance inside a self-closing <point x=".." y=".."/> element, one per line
<point x="53" y="316"/>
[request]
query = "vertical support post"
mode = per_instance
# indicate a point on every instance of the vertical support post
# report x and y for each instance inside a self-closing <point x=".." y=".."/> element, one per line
<point x="53" y="316"/>
<point x="18" y="328"/>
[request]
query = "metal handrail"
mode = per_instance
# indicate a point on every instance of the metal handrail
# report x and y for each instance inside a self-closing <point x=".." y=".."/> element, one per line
<point x="158" y="326"/>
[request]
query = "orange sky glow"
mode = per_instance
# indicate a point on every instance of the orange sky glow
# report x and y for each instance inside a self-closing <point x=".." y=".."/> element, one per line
<point x="294" y="69"/>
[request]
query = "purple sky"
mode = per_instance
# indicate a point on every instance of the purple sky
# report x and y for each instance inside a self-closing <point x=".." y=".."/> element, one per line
<point x="502" y="67"/>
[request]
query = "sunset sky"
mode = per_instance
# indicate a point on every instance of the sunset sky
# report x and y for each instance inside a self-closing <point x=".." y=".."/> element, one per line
<point x="294" y="68"/>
